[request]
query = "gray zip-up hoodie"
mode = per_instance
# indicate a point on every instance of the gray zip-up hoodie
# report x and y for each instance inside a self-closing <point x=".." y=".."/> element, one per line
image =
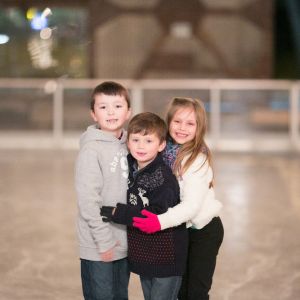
<point x="100" y="179"/>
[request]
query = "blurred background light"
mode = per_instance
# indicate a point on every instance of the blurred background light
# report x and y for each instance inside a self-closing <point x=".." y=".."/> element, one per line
<point x="50" y="87"/>
<point x="31" y="12"/>
<point x="39" y="22"/>
<point x="46" y="33"/>
<point x="181" y="29"/>
<point x="41" y="53"/>
<point x="4" y="39"/>
<point x="46" y="12"/>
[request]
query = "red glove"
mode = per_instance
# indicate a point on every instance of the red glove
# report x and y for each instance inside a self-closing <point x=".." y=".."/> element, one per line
<point x="150" y="224"/>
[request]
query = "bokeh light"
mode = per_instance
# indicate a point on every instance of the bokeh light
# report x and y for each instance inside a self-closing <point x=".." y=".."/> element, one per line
<point x="38" y="22"/>
<point x="4" y="39"/>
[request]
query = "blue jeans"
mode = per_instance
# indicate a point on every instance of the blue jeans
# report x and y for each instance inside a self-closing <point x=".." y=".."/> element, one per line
<point x="160" y="288"/>
<point x="105" y="280"/>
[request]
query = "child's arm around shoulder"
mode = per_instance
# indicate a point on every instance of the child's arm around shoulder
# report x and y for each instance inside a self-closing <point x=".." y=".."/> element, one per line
<point x="194" y="186"/>
<point x="124" y="213"/>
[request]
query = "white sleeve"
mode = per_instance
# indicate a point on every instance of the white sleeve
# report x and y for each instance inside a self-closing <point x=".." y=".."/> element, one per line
<point x="193" y="190"/>
<point x="89" y="182"/>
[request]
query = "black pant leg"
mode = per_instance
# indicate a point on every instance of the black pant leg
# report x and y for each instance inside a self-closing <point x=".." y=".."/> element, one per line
<point x="183" y="292"/>
<point x="204" y="245"/>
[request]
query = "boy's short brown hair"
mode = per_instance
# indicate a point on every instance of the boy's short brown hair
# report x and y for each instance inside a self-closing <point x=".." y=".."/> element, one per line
<point x="110" y="88"/>
<point x="148" y="123"/>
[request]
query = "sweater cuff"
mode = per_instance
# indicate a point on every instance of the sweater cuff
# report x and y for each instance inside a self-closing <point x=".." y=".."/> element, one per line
<point x="108" y="245"/>
<point x="163" y="222"/>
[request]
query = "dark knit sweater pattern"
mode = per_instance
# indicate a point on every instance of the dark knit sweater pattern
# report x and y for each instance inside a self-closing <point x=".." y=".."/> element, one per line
<point x="155" y="188"/>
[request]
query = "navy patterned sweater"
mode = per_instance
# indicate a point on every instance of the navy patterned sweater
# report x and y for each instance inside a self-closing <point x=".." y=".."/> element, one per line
<point x="154" y="188"/>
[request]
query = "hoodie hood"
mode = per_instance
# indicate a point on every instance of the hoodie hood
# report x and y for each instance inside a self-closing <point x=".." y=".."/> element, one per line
<point x="93" y="133"/>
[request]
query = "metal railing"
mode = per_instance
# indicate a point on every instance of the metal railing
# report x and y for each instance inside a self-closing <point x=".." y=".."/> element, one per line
<point x="289" y="140"/>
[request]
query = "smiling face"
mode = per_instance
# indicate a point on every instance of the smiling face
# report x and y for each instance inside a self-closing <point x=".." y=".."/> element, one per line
<point x="144" y="148"/>
<point x="183" y="125"/>
<point x="110" y="113"/>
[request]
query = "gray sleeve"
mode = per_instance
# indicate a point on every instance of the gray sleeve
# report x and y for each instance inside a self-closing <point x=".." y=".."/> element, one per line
<point x="89" y="183"/>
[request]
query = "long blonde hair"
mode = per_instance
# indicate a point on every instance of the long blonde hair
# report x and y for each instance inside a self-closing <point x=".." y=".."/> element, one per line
<point x="197" y="145"/>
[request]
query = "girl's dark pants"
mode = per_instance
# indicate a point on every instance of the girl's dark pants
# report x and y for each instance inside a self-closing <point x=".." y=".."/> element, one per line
<point x="204" y="245"/>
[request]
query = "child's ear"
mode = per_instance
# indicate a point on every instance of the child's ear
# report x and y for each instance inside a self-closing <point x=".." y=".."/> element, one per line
<point x="128" y="114"/>
<point x="162" y="146"/>
<point x="93" y="115"/>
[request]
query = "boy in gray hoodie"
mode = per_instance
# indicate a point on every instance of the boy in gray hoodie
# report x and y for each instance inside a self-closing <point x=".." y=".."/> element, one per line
<point x="101" y="180"/>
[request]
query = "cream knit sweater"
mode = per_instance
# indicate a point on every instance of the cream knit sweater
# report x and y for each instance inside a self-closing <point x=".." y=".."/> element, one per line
<point x="198" y="204"/>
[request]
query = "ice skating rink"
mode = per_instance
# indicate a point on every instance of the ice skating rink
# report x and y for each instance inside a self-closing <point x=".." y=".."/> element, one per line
<point x="259" y="259"/>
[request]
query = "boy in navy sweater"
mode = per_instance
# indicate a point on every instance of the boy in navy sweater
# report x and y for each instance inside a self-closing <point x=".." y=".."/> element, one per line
<point x="159" y="258"/>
